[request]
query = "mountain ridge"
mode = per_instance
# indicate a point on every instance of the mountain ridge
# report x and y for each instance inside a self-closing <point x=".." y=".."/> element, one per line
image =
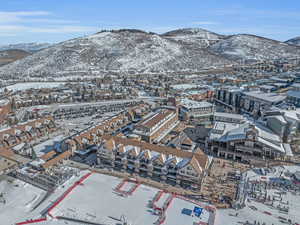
<point x="294" y="41"/>
<point x="137" y="51"/>
<point x="28" y="47"/>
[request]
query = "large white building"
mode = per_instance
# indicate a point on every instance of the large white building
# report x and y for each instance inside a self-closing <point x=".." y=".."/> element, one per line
<point x="196" y="111"/>
<point x="246" y="142"/>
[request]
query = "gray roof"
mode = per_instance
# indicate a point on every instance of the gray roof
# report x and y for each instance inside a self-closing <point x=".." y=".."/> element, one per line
<point x="229" y="115"/>
<point x="295" y="94"/>
<point x="266" y="86"/>
<point x="269" y="97"/>
<point x="190" y="104"/>
<point x="297" y="85"/>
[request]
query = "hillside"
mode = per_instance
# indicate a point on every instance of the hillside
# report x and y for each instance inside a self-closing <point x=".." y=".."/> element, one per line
<point x="294" y="41"/>
<point x="194" y="36"/>
<point x="120" y="51"/>
<point x="252" y="48"/>
<point x="9" y="56"/>
<point x="135" y="52"/>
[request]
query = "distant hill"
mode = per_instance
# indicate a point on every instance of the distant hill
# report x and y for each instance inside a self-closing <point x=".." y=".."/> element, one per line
<point x="28" y="47"/>
<point x="136" y="51"/>
<point x="252" y="48"/>
<point x="294" y="41"/>
<point x="194" y="36"/>
<point x="9" y="56"/>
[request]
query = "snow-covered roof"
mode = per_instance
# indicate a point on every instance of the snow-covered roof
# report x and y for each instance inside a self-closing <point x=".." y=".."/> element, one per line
<point x="272" y="145"/>
<point x="191" y="104"/>
<point x="184" y="86"/>
<point x="3" y="102"/>
<point x="269" y="97"/>
<point x="229" y="115"/>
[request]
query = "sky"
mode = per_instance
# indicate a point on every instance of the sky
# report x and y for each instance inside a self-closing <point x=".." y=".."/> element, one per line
<point x="58" y="20"/>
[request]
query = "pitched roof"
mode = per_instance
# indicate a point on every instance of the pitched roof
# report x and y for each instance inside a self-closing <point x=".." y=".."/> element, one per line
<point x="195" y="164"/>
<point x="6" y="153"/>
<point x="167" y="151"/>
<point x="48" y="155"/>
<point x="58" y="158"/>
<point x="149" y="123"/>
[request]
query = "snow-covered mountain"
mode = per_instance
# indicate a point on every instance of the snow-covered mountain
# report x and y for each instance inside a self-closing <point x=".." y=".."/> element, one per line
<point x="294" y="41"/>
<point x="28" y="47"/>
<point x="8" y="56"/>
<point x="252" y="48"/>
<point x="194" y="36"/>
<point x="136" y="51"/>
<point x="116" y="51"/>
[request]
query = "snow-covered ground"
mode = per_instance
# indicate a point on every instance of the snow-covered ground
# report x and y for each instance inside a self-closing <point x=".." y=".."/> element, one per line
<point x="35" y="85"/>
<point x="21" y="199"/>
<point x="47" y="146"/>
<point x="162" y="200"/>
<point x="174" y="215"/>
<point x="17" y="200"/>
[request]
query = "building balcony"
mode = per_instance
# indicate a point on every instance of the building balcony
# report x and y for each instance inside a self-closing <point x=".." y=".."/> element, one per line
<point x="157" y="171"/>
<point x="132" y="160"/>
<point x="247" y="149"/>
<point x="142" y="168"/>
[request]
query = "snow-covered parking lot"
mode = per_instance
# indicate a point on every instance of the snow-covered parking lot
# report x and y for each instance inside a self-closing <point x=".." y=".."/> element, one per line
<point x="96" y="200"/>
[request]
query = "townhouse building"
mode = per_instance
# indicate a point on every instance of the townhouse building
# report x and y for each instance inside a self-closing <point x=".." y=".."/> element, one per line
<point x="89" y="109"/>
<point x="26" y="132"/>
<point x="160" y="163"/>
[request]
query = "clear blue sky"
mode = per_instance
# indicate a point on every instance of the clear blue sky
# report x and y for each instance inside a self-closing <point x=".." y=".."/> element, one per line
<point x="58" y="20"/>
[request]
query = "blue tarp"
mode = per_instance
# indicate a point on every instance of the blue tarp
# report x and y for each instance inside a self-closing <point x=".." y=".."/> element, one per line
<point x="186" y="211"/>
<point x="197" y="211"/>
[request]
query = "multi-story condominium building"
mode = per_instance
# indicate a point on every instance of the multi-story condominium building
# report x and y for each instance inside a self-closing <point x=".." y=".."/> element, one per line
<point x="248" y="101"/>
<point x="293" y="97"/>
<point x="230" y="97"/>
<point x="196" y="111"/>
<point x="161" y="163"/>
<point x="246" y="142"/>
<point x="157" y="125"/>
<point x="284" y="123"/>
<point x="254" y="101"/>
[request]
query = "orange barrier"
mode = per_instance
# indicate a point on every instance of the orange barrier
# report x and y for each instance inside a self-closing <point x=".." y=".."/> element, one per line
<point x="67" y="193"/>
<point x="32" y="221"/>
<point x="133" y="189"/>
